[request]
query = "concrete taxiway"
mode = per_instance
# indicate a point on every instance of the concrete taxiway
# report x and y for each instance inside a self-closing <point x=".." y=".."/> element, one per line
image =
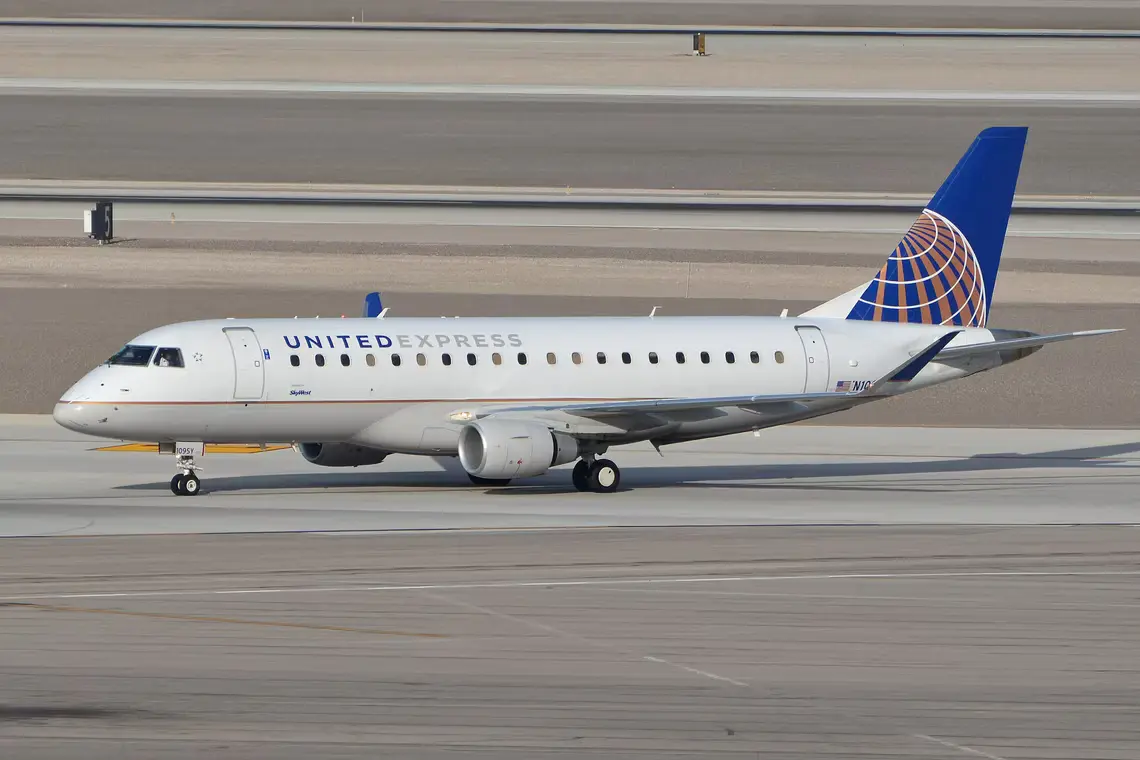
<point x="57" y="483"/>
<point x="938" y="642"/>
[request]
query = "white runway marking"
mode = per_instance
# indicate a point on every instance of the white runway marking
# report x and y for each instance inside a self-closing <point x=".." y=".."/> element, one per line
<point x="559" y="91"/>
<point x="546" y="628"/>
<point x="586" y="582"/>
<point x="959" y="747"/>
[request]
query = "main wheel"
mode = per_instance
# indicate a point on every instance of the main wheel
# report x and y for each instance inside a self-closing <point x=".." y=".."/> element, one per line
<point x="488" y="481"/>
<point x="581" y="475"/>
<point x="604" y="476"/>
<point x="191" y="485"/>
<point x="176" y="484"/>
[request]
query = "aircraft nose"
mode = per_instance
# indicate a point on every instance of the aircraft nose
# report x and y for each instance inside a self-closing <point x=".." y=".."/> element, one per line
<point x="73" y="415"/>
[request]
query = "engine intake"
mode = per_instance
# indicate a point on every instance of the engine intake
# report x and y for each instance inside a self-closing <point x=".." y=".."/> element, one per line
<point x="505" y="449"/>
<point x="340" y="454"/>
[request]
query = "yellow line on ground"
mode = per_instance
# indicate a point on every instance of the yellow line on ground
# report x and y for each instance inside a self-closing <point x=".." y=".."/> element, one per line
<point x="232" y="621"/>
<point x="211" y="448"/>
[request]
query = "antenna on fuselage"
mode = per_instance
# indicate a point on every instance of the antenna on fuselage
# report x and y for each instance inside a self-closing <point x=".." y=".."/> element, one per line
<point x="654" y="311"/>
<point x="382" y="313"/>
<point x="784" y="314"/>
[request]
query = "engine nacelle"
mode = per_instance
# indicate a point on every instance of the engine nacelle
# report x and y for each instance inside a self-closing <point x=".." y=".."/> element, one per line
<point x="505" y="449"/>
<point x="340" y="454"/>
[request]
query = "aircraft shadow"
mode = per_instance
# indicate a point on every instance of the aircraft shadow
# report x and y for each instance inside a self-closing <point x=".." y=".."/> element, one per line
<point x="708" y="476"/>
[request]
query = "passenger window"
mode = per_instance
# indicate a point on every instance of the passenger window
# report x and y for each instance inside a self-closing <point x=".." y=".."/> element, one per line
<point x="396" y="360"/>
<point x="576" y="357"/>
<point x="421" y="360"/>
<point x="626" y="358"/>
<point x="320" y="360"/>
<point x="295" y="360"/>
<point x="344" y="360"/>
<point x="601" y="358"/>
<point x="168" y="357"/>
<point x="680" y="357"/>
<point x="447" y="360"/>
<point x="729" y="357"/>
<point x="471" y="359"/>
<point x="755" y="357"/>
<point x="522" y="358"/>
<point x="370" y="360"/>
<point x="779" y="357"/>
<point x="551" y="359"/>
<point x="704" y="357"/>
<point x="496" y="359"/>
<point x="652" y="357"/>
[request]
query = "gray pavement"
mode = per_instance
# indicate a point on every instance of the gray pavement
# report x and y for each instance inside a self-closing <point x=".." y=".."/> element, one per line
<point x="813" y="643"/>
<point x="554" y="142"/>
<point x="57" y="483"/>
<point x="922" y="66"/>
<point x="1077" y="14"/>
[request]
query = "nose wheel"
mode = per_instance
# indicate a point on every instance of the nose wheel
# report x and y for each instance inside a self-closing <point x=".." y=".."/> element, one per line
<point x="599" y="476"/>
<point x="186" y="482"/>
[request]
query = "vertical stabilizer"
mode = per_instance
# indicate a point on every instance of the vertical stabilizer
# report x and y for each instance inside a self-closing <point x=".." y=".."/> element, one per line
<point x="944" y="269"/>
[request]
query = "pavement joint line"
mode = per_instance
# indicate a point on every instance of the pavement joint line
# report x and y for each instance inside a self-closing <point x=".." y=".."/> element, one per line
<point x="580" y="583"/>
<point x="563" y="28"/>
<point x="225" y="620"/>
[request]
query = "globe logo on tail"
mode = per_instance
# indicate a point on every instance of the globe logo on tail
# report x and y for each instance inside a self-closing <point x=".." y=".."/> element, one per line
<point x="932" y="277"/>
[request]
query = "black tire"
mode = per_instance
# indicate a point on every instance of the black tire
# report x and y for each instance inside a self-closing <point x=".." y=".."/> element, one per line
<point x="581" y="475"/>
<point x="605" y="477"/>
<point x="191" y="486"/>
<point x="176" y="484"/>
<point x="492" y="482"/>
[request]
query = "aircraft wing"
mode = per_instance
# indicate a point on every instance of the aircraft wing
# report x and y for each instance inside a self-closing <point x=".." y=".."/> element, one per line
<point x="1033" y="341"/>
<point x="904" y="372"/>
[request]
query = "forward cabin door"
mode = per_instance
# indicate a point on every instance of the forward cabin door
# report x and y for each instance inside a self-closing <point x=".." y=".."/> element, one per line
<point x="249" y="363"/>
<point x="818" y="365"/>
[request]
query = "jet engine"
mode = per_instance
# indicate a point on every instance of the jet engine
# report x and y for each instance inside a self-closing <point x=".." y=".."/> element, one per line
<point x="506" y="449"/>
<point x="340" y="454"/>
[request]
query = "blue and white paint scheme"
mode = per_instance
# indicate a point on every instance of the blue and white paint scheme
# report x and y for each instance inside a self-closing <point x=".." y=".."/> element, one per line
<point x="515" y="397"/>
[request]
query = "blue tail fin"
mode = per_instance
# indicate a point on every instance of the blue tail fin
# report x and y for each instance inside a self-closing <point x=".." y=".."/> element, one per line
<point x="372" y="306"/>
<point x="944" y="269"/>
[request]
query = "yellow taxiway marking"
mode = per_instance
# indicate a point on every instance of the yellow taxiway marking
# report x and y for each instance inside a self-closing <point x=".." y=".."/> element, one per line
<point x="231" y="621"/>
<point x="211" y="448"/>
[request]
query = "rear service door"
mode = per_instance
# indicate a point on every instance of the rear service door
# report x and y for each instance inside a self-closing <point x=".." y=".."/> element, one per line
<point x="249" y="380"/>
<point x="815" y="355"/>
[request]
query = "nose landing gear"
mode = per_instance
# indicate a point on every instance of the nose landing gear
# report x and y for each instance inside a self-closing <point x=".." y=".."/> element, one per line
<point x="598" y="475"/>
<point x="186" y="482"/>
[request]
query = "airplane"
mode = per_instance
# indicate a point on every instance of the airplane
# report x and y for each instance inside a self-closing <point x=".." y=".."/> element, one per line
<point x="514" y="397"/>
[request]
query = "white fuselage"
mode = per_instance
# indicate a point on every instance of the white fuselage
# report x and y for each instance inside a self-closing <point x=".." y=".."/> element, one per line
<point x="386" y="383"/>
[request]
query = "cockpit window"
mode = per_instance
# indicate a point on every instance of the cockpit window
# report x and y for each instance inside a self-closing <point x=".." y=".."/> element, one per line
<point x="132" y="356"/>
<point x="168" y="357"/>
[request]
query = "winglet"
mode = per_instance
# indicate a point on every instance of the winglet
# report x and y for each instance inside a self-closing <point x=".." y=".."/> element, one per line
<point x="909" y="369"/>
<point x="372" y="306"/>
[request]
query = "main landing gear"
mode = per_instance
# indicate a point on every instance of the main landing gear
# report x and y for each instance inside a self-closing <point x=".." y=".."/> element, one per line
<point x="186" y="482"/>
<point x="598" y="475"/>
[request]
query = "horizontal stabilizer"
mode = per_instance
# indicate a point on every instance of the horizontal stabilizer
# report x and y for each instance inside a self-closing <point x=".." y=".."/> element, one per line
<point x="1033" y="341"/>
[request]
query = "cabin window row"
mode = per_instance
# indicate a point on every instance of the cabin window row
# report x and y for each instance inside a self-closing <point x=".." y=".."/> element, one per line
<point x="551" y="358"/>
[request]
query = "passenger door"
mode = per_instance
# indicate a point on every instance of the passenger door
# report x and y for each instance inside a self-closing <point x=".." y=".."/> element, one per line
<point x="249" y="379"/>
<point x="815" y="355"/>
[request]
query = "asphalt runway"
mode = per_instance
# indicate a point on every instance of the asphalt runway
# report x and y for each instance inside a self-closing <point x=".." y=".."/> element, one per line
<point x="933" y="642"/>
<point x="1075" y="14"/>
<point x="554" y="143"/>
